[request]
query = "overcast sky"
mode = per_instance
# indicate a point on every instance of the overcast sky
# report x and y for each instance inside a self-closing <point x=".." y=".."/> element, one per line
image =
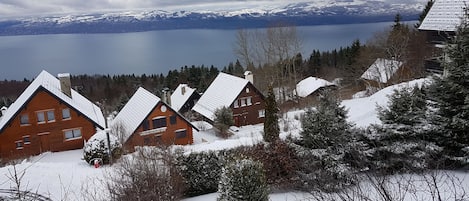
<point x="14" y="8"/>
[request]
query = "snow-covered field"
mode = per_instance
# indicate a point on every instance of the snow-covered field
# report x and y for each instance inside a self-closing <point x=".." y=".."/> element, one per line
<point x="65" y="176"/>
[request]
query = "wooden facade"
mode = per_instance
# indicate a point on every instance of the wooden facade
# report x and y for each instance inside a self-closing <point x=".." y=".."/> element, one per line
<point x="163" y="126"/>
<point x="44" y="123"/>
<point x="248" y="107"/>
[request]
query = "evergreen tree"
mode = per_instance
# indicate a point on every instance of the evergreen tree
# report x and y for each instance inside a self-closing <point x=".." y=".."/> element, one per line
<point x="326" y="125"/>
<point x="401" y="142"/>
<point x="223" y="120"/>
<point x="424" y="13"/>
<point x="243" y="180"/>
<point x="271" y="128"/>
<point x="406" y="106"/>
<point x="450" y="95"/>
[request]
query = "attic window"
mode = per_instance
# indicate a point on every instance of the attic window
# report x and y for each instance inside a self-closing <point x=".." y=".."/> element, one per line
<point x="66" y="114"/>
<point x="247" y="90"/>
<point x="24" y="119"/>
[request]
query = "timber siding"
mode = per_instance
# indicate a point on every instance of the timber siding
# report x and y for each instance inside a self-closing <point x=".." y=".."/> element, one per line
<point x="35" y="137"/>
<point x="154" y="135"/>
<point x="245" y="113"/>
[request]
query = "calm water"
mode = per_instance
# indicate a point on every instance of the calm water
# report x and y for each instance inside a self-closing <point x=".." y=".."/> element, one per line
<point x="149" y="52"/>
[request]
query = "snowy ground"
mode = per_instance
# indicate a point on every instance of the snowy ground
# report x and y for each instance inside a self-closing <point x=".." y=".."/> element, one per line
<point x="65" y="176"/>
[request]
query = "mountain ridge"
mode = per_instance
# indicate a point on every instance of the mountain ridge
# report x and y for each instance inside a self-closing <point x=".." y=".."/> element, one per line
<point x="298" y="14"/>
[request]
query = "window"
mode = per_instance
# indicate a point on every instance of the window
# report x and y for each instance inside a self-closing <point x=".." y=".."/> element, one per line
<point x="181" y="133"/>
<point x="261" y="113"/>
<point x="247" y="90"/>
<point x="159" y="122"/>
<point x="158" y="139"/>
<point x="72" y="134"/>
<point x="26" y="139"/>
<point x="248" y="101"/>
<point x="19" y="144"/>
<point x="146" y="125"/>
<point x="172" y="119"/>
<point x="40" y="117"/>
<point x="235" y="104"/>
<point x="66" y="113"/>
<point x="24" y="119"/>
<point x="50" y="116"/>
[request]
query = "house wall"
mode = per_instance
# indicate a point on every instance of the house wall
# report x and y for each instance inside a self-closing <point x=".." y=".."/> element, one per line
<point x="48" y="136"/>
<point x="166" y="136"/>
<point x="245" y="114"/>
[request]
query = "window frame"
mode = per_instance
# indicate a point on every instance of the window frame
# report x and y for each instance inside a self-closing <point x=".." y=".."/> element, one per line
<point x="48" y="112"/>
<point x="261" y="113"/>
<point x="74" y="137"/>
<point x="38" y="114"/>
<point x="173" y="119"/>
<point x="177" y="133"/>
<point x="19" y="144"/>
<point x="69" y="114"/>
<point x="27" y="123"/>
<point x="159" y="118"/>
<point x="28" y="141"/>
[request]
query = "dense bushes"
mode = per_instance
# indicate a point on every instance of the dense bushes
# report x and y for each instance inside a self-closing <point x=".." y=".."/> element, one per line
<point x="243" y="179"/>
<point x="201" y="172"/>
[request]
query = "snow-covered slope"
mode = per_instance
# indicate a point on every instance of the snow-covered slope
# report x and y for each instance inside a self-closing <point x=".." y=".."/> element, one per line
<point x="64" y="176"/>
<point x="235" y="14"/>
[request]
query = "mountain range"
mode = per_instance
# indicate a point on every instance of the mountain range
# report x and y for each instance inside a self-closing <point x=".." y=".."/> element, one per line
<point x="317" y="12"/>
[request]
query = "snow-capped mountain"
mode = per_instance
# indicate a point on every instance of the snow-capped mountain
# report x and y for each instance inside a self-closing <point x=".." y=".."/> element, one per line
<point x="301" y="13"/>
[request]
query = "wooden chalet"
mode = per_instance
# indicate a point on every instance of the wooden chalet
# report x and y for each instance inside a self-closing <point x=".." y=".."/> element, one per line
<point x="48" y="116"/>
<point x="383" y="72"/>
<point x="238" y="94"/>
<point x="184" y="98"/>
<point x="309" y="88"/>
<point x="440" y="25"/>
<point x="147" y="121"/>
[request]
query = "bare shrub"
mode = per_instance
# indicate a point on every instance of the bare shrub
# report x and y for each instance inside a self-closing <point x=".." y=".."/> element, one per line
<point x="148" y="174"/>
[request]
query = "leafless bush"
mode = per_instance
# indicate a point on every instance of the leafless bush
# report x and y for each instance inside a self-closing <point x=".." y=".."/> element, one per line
<point x="148" y="174"/>
<point x="433" y="185"/>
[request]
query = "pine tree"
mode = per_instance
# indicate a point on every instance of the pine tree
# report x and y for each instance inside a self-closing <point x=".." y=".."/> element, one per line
<point x="223" y="120"/>
<point x="243" y="180"/>
<point x="271" y="128"/>
<point x="406" y="106"/>
<point x="326" y="125"/>
<point x="450" y="95"/>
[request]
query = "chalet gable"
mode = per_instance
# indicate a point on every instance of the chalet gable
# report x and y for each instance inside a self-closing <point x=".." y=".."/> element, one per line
<point x="222" y="92"/>
<point x="180" y="96"/>
<point x="137" y="109"/>
<point x="50" y="84"/>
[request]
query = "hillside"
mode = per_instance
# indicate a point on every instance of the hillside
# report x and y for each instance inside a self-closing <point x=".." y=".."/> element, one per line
<point x="65" y="176"/>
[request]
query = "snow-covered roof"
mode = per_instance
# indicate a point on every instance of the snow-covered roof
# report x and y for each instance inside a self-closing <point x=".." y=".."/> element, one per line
<point x="311" y="84"/>
<point x="222" y="92"/>
<point x="52" y="84"/>
<point x="381" y="70"/>
<point x="180" y="96"/>
<point x="136" y="110"/>
<point x="444" y="15"/>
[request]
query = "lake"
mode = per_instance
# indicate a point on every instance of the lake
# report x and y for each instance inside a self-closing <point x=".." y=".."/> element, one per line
<point x="150" y="52"/>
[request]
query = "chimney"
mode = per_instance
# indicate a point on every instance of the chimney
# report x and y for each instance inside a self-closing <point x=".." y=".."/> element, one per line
<point x="166" y="96"/>
<point x="249" y="76"/>
<point x="65" y="84"/>
<point x="183" y="89"/>
<point x="4" y="110"/>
